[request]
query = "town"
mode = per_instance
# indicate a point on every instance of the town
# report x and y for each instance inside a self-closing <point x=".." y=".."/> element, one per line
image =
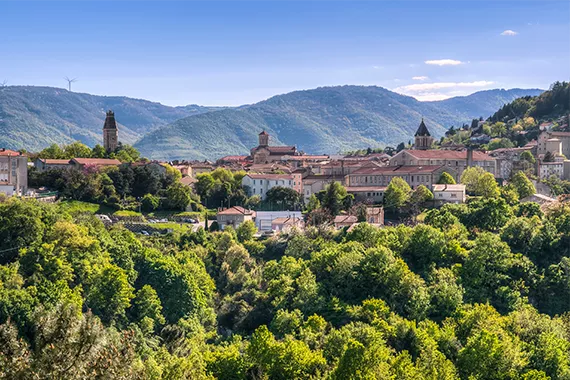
<point x="280" y="188"/>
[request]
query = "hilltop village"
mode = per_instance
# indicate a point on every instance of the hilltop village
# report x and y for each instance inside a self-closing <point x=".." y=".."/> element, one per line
<point x="273" y="185"/>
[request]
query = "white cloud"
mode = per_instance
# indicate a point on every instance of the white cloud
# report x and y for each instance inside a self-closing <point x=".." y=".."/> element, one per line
<point x="422" y="77"/>
<point x="421" y="87"/>
<point x="440" y="90"/>
<point x="443" y="62"/>
<point x="509" y="32"/>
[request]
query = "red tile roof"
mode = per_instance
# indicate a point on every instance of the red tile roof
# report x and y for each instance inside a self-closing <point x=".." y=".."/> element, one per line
<point x="345" y="219"/>
<point x="8" y="152"/>
<point x="270" y="176"/>
<point x="281" y="149"/>
<point x="236" y="210"/>
<point x="363" y="189"/>
<point x="396" y="170"/>
<point x="439" y="154"/>
<point x="53" y="161"/>
<point x="233" y="158"/>
<point x="96" y="161"/>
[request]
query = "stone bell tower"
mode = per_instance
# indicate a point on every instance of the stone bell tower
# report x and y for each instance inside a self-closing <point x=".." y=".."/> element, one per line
<point x="423" y="139"/>
<point x="263" y="139"/>
<point x="110" y="133"/>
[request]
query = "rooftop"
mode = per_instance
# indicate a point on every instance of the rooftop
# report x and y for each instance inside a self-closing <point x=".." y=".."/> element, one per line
<point x="270" y="176"/>
<point x="8" y="152"/>
<point x="236" y="210"/>
<point x="448" y="187"/>
<point x="448" y="154"/>
<point x="363" y="189"/>
<point x="96" y="161"/>
<point x="397" y="170"/>
<point x="345" y="219"/>
<point x="422" y="130"/>
<point x="53" y="161"/>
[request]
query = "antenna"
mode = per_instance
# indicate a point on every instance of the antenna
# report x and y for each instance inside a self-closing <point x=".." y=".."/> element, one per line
<point x="69" y="82"/>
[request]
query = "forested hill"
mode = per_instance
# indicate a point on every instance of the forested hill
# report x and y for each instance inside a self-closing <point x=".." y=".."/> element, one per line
<point x="322" y="120"/>
<point x="35" y="117"/>
<point x="550" y="104"/>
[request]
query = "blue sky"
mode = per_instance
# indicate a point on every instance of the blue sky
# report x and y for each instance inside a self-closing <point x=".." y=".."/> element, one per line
<point x="232" y="53"/>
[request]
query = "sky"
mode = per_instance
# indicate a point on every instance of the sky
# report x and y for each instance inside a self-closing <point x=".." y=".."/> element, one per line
<point x="234" y="53"/>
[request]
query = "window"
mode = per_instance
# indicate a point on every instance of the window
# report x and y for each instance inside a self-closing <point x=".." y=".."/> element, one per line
<point x="261" y="182"/>
<point x="453" y="195"/>
<point x="440" y="195"/>
<point x="254" y="182"/>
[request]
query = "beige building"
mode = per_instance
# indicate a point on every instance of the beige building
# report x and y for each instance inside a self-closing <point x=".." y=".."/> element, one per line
<point x="260" y="184"/>
<point x="454" y="160"/>
<point x="367" y="194"/>
<point x="265" y="153"/>
<point x="234" y="216"/>
<point x="13" y="172"/>
<point x="43" y="164"/>
<point x="547" y="141"/>
<point x="445" y="193"/>
<point x="378" y="177"/>
<point x="285" y="224"/>
<point x="81" y="163"/>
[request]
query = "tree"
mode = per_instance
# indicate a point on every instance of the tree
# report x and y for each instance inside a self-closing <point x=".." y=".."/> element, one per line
<point x="523" y="186"/>
<point x="146" y="304"/>
<point x="446" y="178"/>
<point x="178" y="196"/>
<point x="246" y="230"/>
<point x="98" y="152"/>
<point x="76" y="149"/>
<point x="313" y="203"/>
<point x="397" y="194"/>
<point x="479" y="182"/>
<point x="285" y="197"/>
<point x="528" y="157"/>
<point x="333" y="198"/>
<point x="420" y="196"/>
<point x="548" y="157"/>
<point x="111" y="294"/>
<point x="150" y="203"/>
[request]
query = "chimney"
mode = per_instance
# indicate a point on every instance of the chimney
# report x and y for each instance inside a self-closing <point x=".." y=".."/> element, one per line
<point x="469" y="157"/>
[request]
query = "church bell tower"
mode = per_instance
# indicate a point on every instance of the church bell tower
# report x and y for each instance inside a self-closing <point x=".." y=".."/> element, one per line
<point x="423" y="139"/>
<point x="110" y="132"/>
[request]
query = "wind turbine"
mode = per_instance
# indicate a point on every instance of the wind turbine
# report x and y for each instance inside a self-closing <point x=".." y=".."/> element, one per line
<point x="4" y="83"/>
<point x="69" y="82"/>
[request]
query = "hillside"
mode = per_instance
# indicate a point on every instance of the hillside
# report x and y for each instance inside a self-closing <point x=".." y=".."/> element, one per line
<point x="323" y="120"/>
<point x="34" y="117"/>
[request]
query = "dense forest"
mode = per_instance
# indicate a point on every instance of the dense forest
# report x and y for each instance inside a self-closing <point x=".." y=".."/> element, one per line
<point x="477" y="291"/>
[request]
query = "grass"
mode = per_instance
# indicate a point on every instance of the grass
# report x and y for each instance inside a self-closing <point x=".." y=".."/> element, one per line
<point x="175" y="227"/>
<point x="126" y="213"/>
<point x="79" y="207"/>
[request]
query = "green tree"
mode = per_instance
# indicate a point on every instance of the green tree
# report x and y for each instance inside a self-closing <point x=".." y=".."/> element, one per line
<point x="479" y="182"/>
<point x="150" y="203"/>
<point x="76" y="149"/>
<point x="446" y="178"/>
<point x="333" y="198"/>
<point x="246" y="230"/>
<point x="397" y="194"/>
<point x="178" y="196"/>
<point x="286" y="198"/>
<point x="146" y="304"/>
<point x="313" y="203"/>
<point x="110" y="293"/>
<point x="523" y="186"/>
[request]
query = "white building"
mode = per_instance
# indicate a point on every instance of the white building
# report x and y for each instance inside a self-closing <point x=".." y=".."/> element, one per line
<point x="264" y="219"/>
<point x="445" y="193"/>
<point x="547" y="169"/>
<point x="260" y="184"/>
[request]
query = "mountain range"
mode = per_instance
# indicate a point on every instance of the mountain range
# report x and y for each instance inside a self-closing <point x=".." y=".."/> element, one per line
<point x="322" y="120"/>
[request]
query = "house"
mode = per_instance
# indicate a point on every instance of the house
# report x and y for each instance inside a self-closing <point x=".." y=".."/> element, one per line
<point x="554" y="142"/>
<point x="80" y="163"/>
<point x="13" y="172"/>
<point x="265" y="153"/>
<point x="312" y="184"/>
<point x="264" y="219"/>
<point x="184" y="169"/>
<point x="285" y="224"/>
<point x="260" y="184"/>
<point x="367" y="194"/>
<point x="547" y="169"/>
<point x="341" y="221"/>
<point x="508" y="160"/>
<point x="375" y="215"/>
<point x="199" y="168"/>
<point x="43" y="164"/>
<point x="234" y="216"/>
<point x="380" y="176"/>
<point x="538" y="198"/>
<point x="447" y="193"/>
<point x="232" y="160"/>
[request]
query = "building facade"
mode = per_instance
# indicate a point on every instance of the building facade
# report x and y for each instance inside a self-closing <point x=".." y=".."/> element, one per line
<point x="110" y="132"/>
<point x="13" y="172"/>
<point x="446" y="193"/>
<point x="264" y="153"/>
<point x="379" y="177"/>
<point x="260" y="184"/>
<point x="547" y="141"/>
<point x="234" y="216"/>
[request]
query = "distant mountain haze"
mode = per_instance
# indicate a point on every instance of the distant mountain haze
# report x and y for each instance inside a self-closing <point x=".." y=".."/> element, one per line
<point x="322" y="120"/>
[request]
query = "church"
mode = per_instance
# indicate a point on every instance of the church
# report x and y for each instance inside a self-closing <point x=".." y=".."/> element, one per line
<point x="264" y="153"/>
